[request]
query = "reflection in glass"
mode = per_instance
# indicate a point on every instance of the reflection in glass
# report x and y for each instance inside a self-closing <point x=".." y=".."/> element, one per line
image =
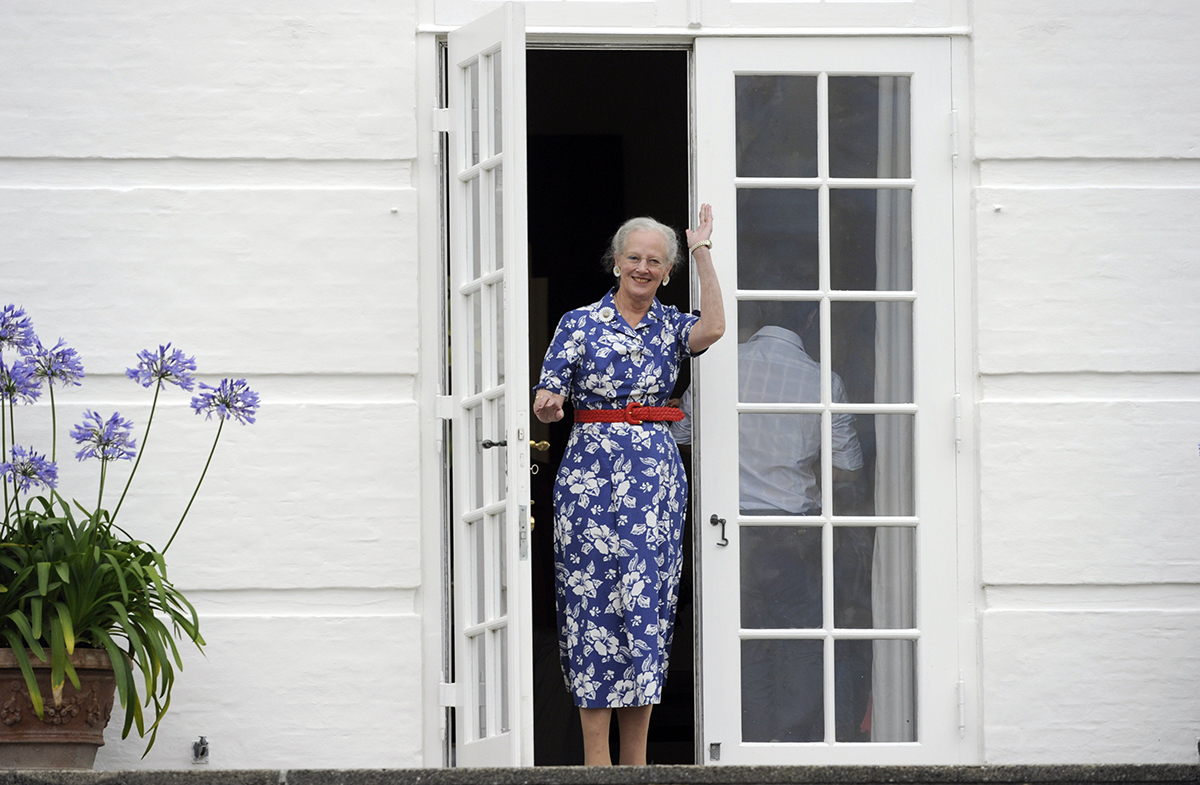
<point x="853" y="554"/>
<point x="780" y="577"/>
<point x="872" y="348"/>
<point x="497" y="104"/>
<point x="870" y="239"/>
<point x="783" y="688"/>
<point x="502" y="648"/>
<point x="777" y="239"/>
<point x="479" y="557"/>
<point x="779" y="464"/>
<point x="479" y="649"/>
<point x="502" y="563"/>
<point x="475" y="420"/>
<point x="500" y="453"/>
<point x="473" y="97"/>
<point x="498" y="204"/>
<point x="476" y="249"/>
<point x="776" y="125"/>
<point x="496" y="292"/>
<point x="475" y="314"/>
<point x="868" y="126"/>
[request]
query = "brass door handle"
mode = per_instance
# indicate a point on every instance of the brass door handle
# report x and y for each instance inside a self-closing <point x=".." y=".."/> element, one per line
<point x="541" y="446"/>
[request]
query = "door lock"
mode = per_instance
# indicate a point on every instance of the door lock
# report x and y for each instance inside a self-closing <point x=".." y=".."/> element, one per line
<point x="489" y="444"/>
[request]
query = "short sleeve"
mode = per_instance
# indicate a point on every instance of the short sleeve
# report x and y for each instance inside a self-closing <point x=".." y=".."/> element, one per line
<point x="683" y="324"/>
<point x="563" y="356"/>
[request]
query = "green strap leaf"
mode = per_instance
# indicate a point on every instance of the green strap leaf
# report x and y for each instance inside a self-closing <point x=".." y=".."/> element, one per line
<point x="35" y="694"/>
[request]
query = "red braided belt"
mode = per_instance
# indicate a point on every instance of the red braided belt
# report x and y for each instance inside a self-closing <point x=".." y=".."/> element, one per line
<point x="634" y="413"/>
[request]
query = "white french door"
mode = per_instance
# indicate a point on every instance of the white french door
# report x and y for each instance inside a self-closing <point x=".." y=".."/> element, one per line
<point x="825" y="418"/>
<point x="493" y="686"/>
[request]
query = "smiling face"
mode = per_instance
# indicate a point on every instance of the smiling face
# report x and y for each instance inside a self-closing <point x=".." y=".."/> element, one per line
<point x="643" y="263"/>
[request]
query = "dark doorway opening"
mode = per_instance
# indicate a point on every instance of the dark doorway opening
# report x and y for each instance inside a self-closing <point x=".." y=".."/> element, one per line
<point x="608" y="140"/>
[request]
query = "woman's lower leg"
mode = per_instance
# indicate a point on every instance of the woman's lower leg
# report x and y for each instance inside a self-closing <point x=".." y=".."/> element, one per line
<point x="595" y="736"/>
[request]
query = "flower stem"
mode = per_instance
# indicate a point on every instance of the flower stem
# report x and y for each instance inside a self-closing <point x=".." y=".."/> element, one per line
<point x="189" y="504"/>
<point x="141" y="452"/>
<point x="53" y="425"/>
<point x="100" y="498"/>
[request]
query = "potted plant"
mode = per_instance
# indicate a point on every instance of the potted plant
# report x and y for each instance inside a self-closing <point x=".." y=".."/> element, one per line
<point x="81" y="597"/>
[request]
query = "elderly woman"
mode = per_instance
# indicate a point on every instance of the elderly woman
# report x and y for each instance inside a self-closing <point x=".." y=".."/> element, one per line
<point x="621" y="493"/>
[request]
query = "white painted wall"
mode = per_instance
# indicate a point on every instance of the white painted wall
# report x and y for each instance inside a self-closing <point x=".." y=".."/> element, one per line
<point x="241" y="179"/>
<point x="1087" y="266"/>
<point x="236" y="178"/>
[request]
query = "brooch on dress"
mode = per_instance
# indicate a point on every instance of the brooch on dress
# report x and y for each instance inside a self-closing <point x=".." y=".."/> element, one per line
<point x="606" y="314"/>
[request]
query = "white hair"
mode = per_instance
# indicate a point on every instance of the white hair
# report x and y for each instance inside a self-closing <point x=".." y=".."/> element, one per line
<point x="642" y="224"/>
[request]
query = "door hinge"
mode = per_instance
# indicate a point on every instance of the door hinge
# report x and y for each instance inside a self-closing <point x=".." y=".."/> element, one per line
<point x="962" y="706"/>
<point x="443" y="406"/>
<point x="441" y="120"/>
<point x="957" y="422"/>
<point x="954" y="136"/>
<point x="448" y="695"/>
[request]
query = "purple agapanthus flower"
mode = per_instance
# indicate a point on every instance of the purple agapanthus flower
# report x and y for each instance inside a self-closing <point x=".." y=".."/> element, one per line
<point x="16" y="329"/>
<point x="60" y="364"/>
<point x="165" y="365"/>
<point x="27" y="469"/>
<point x="18" y="382"/>
<point x="229" y="399"/>
<point x="108" y="440"/>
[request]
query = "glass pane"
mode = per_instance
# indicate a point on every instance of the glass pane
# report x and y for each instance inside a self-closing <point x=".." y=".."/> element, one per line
<point x="473" y="95"/>
<point x="776" y="125"/>
<point x="870" y="239"/>
<point x="777" y="242"/>
<point x="475" y="438"/>
<point x="500" y="453"/>
<point x="888" y="480"/>
<point x="479" y="652"/>
<point x="875" y="690"/>
<point x="853" y="571"/>
<point x="497" y="103"/>
<point x="872" y="351"/>
<point x="479" y="558"/>
<point x="498" y="204"/>
<point x="868" y="126"/>
<point x="476" y="249"/>
<point x="502" y="562"/>
<point x="496" y="292"/>
<point x="783" y="690"/>
<point x="852" y="690"/>
<point x="502" y="655"/>
<point x="779" y="359"/>
<point x="780" y="577"/>
<point x="779" y="464"/>
<point x="476" y="316"/>
<point x="893" y="590"/>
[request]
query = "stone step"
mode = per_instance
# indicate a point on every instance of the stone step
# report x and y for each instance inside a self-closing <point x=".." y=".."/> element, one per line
<point x="637" y="775"/>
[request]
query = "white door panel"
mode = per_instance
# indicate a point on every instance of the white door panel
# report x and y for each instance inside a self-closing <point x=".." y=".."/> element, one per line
<point x="488" y="339"/>
<point x="828" y="629"/>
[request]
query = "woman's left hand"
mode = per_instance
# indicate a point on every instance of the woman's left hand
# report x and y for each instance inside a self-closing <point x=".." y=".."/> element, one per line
<point x="704" y="230"/>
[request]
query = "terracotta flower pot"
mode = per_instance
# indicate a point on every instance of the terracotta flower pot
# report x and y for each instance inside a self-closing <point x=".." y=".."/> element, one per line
<point x="68" y="736"/>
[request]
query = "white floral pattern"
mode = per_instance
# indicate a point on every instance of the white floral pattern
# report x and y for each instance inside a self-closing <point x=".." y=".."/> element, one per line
<point x="619" y="502"/>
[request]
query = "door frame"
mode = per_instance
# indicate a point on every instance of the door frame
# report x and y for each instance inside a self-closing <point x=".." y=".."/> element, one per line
<point x="426" y="186"/>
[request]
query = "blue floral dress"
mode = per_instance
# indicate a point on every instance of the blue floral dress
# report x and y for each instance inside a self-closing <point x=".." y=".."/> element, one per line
<point x="619" y="504"/>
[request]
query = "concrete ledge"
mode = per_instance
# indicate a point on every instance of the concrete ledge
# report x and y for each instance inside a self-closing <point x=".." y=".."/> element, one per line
<point x="648" y="775"/>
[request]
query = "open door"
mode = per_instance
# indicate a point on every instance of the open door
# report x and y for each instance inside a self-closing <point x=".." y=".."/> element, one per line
<point x="826" y="417"/>
<point x="492" y="692"/>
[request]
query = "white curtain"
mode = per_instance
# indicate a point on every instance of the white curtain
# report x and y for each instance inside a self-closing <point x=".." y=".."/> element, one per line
<point x="893" y="670"/>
